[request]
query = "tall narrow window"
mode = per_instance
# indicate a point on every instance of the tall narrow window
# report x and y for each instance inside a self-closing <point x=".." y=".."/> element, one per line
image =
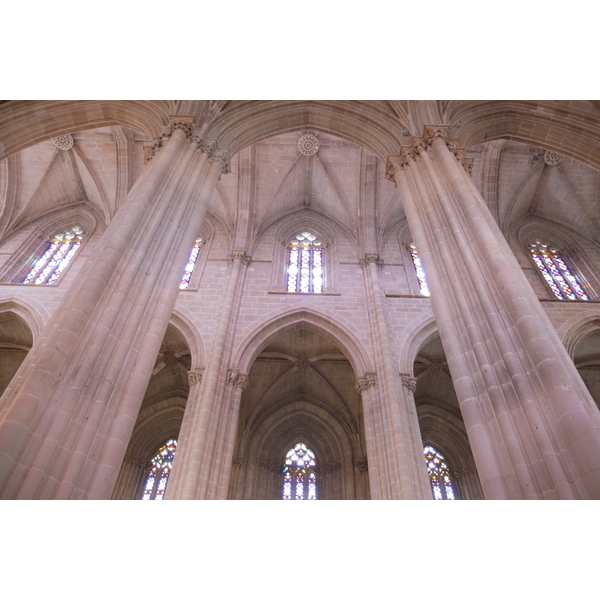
<point x="55" y="257"/>
<point x="305" y="264"/>
<point x="439" y="474"/>
<point x="420" y="272"/>
<point x="555" y="272"/>
<point x="299" y="476"/>
<point x="189" y="268"/>
<point x="158" y="472"/>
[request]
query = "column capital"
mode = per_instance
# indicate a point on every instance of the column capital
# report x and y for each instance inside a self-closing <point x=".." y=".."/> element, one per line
<point x="366" y="383"/>
<point x="239" y="255"/>
<point x="221" y="157"/>
<point x="183" y="123"/>
<point x="195" y="377"/>
<point x="408" y="383"/>
<point x="419" y="145"/>
<point x="371" y="258"/>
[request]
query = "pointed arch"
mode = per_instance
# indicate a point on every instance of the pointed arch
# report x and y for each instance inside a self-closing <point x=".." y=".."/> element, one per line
<point x="273" y="326"/>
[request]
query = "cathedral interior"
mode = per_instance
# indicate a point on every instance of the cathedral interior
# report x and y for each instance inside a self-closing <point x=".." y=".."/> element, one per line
<point x="300" y="300"/>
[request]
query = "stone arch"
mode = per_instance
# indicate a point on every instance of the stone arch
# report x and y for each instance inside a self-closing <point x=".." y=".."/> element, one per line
<point x="572" y="130"/>
<point x="16" y="340"/>
<point x="32" y="316"/>
<point x="366" y="125"/>
<point x="423" y="330"/>
<point x="24" y="124"/>
<point x="180" y="320"/>
<point x="576" y="328"/>
<point x="329" y="328"/>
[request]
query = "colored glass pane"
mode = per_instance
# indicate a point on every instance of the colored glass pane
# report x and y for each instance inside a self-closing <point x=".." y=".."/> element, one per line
<point x="420" y="272"/>
<point x="305" y="264"/>
<point x="159" y="470"/>
<point x="439" y="474"/>
<point x="189" y="268"/>
<point x="299" y="472"/>
<point x="55" y="258"/>
<point x="555" y="272"/>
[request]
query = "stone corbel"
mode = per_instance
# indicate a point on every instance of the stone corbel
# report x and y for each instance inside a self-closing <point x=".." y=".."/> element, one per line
<point x="239" y="255"/>
<point x="408" y="383"/>
<point x="371" y="258"/>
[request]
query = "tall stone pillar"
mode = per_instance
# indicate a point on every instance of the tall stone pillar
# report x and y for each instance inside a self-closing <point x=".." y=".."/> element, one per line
<point x="202" y="465"/>
<point x="533" y="426"/>
<point x="402" y="449"/>
<point x="65" y="421"/>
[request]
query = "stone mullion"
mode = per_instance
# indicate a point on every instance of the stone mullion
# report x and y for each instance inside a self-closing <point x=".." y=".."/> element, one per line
<point x="160" y="290"/>
<point x="400" y="451"/>
<point x="29" y="406"/>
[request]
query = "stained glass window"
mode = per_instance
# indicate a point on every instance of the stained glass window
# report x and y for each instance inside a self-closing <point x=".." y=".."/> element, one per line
<point x="299" y="476"/>
<point x="189" y="268"/>
<point x="419" y="269"/>
<point x="158" y="472"/>
<point x="555" y="272"/>
<point x="55" y="257"/>
<point x="305" y="264"/>
<point x="439" y="474"/>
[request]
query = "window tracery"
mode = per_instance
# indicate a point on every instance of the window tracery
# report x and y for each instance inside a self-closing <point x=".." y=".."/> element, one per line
<point x="55" y="256"/>
<point x="556" y="273"/>
<point x="424" y="288"/>
<point x="299" y="475"/>
<point x="189" y="268"/>
<point x="439" y="475"/>
<point x="305" y="264"/>
<point x="159" y="471"/>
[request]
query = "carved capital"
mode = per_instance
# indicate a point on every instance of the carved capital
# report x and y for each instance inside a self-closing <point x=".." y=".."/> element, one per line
<point x="148" y="154"/>
<point x="239" y="255"/>
<point x="221" y="157"/>
<point x="330" y="468"/>
<point x="185" y="124"/>
<point x="394" y="164"/>
<point x="134" y="461"/>
<point x="241" y="381"/>
<point x="238" y="461"/>
<point x="195" y="377"/>
<point x="435" y="132"/>
<point x="371" y="258"/>
<point x="270" y="466"/>
<point x="362" y="464"/>
<point x="366" y="383"/>
<point x="409" y="383"/>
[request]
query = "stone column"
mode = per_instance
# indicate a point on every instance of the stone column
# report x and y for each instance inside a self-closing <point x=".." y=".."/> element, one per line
<point x="401" y="442"/>
<point x="533" y="426"/>
<point x="65" y="421"/>
<point x="201" y="471"/>
<point x="130" y="476"/>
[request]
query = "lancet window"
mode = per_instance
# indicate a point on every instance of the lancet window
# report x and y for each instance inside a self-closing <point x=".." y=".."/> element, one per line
<point x="556" y="273"/>
<point x="54" y="257"/>
<point x="189" y="268"/>
<point x="299" y="476"/>
<point x="158" y="471"/>
<point x="439" y="475"/>
<point x="424" y="288"/>
<point x="305" y="264"/>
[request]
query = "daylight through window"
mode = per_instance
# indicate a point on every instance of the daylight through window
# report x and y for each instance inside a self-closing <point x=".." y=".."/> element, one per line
<point x="189" y="268"/>
<point x="56" y="255"/>
<point x="159" y="470"/>
<point x="439" y="474"/>
<point x="555" y="272"/>
<point x="419" y="269"/>
<point x="305" y="264"/>
<point x="299" y="477"/>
